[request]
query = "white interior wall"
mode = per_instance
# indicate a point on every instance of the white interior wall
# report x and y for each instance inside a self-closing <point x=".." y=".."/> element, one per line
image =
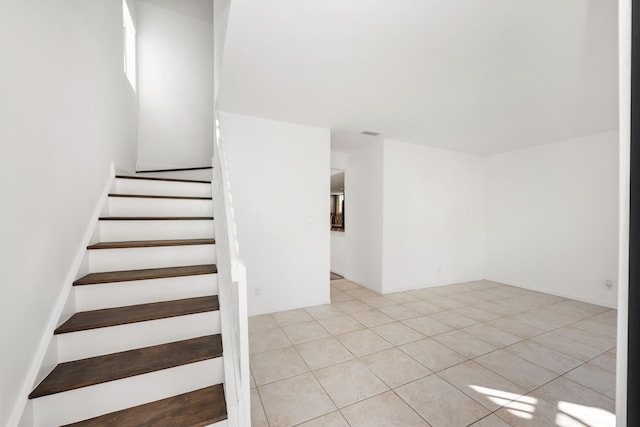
<point x="66" y="112"/>
<point x="358" y="250"/>
<point x="279" y="178"/>
<point x="552" y="218"/>
<point x="175" y="85"/>
<point x="433" y="216"/>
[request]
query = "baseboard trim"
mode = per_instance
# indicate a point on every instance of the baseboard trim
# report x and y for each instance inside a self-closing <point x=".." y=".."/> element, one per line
<point x="32" y="375"/>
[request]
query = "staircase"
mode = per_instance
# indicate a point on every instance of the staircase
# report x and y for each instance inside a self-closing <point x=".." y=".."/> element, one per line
<point x="144" y="347"/>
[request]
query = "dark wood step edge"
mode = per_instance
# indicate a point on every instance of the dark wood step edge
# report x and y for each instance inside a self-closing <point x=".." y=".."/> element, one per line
<point x="152" y="196"/>
<point x="151" y="178"/>
<point x="103" y="318"/>
<point x="145" y="274"/>
<point x="156" y="218"/>
<point x="116" y="366"/>
<point x="195" y="408"/>
<point x="150" y="243"/>
<point x="198" y="168"/>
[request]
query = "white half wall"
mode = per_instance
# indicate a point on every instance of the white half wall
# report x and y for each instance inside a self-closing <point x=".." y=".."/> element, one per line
<point x="175" y="84"/>
<point x="279" y="178"/>
<point x="433" y="217"/>
<point x="66" y="112"/>
<point x="552" y="218"/>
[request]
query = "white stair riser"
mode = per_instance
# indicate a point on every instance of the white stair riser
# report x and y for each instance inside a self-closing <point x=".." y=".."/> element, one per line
<point x="101" y="260"/>
<point x="119" y="294"/>
<point x="117" y="231"/>
<point x="160" y="188"/>
<point x="96" y="342"/>
<point x="133" y="206"/>
<point x="89" y="402"/>
<point x="201" y="174"/>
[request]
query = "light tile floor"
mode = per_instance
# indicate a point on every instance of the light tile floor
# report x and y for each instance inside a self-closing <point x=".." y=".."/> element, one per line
<point x="475" y="354"/>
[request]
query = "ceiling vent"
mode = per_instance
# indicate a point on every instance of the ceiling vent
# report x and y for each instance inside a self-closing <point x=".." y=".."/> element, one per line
<point x="370" y="132"/>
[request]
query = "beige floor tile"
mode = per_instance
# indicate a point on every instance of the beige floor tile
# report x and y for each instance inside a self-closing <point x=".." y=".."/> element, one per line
<point x="386" y="410"/>
<point x="270" y="339"/>
<point x="423" y="307"/>
<point x="362" y="293"/>
<point x="363" y="342"/>
<point x="428" y="325"/>
<point x="345" y="285"/>
<point x="394" y="367"/>
<point x="276" y="365"/>
<point x="606" y="361"/>
<point x="371" y="318"/>
<point x="294" y="400"/>
<point x="476" y="314"/>
<point x="352" y="306"/>
<point x="349" y="382"/>
<point x="334" y="419"/>
<point x="490" y="421"/>
<point x="597" y="327"/>
<point x="400" y="312"/>
<point x="492" y="335"/>
<point x="578" y="308"/>
<point x="304" y="332"/>
<point x="291" y="317"/>
<point x="595" y="378"/>
<point x="464" y="343"/>
<point x="441" y="404"/>
<point x="258" y="418"/>
<point x="542" y="319"/>
<point x="339" y="296"/>
<point x="523" y="373"/>
<point x="529" y="411"/>
<point x="423" y="294"/>
<point x="447" y="303"/>
<point x="498" y="309"/>
<point x="252" y="382"/>
<point x="324" y="352"/>
<point x="453" y="319"/>
<point x="379" y="301"/>
<point x="576" y="396"/>
<point x="398" y="333"/>
<point x="610" y="317"/>
<point x="401" y="297"/>
<point x="601" y="342"/>
<point x="486" y="387"/>
<point x="482" y="296"/>
<point x="542" y="356"/>
<point x="567" y="346"/>
<point x="261" y="323"/>
<point x="432" y="354"/>
<point x="341" y="325"/>
<point x="324" y="311"/>
<point x="515" y="327"/>
<point x="467" y="298"/>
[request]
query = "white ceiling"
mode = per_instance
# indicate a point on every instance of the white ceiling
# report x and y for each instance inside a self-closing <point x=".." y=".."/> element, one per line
<point x="480" y="76"/>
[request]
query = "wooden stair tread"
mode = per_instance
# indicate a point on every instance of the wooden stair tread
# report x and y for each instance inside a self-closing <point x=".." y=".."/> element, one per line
<point x="151" y="196"/>
<point x="195" y="409"/>
<point x="100" y="369"/>
<point x="145" y="274"/>
<point x="151" y="243"/>
<point x="150" y="178"/>
<point x="156" y="218"/>
<point x="102" y="318"/>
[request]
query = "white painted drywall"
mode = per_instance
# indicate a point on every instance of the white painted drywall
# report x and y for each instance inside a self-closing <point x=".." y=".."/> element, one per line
<point x="175" y="84"/>
<point x="433" y="216"/>
<point x="552" y="218"/>
<point x="357" y="253"/>
<point x="220" y="20"/>
<point x="66" y="112"/>
<point x="279" y="179"/>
